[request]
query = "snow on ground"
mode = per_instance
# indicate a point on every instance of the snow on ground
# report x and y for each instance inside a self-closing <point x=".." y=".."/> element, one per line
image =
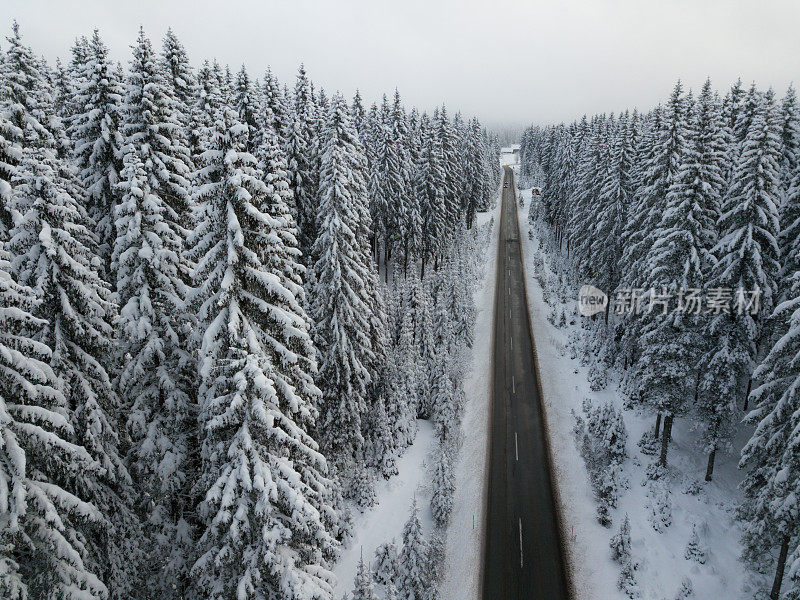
<point x="663" y="566"/>
<point x="386" y="519"/>
<point x="464" y="549"/>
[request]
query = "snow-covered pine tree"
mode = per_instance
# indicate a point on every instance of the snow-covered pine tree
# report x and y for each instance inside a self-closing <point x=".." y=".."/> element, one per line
<point x="443" y="488"/>
<point x="402" y="216"/>
<point x="363" y="587"/>
<point x="265" y="483"/>
<point x="413" y="559"/>
<point x="340" y="299"/>
<point x="40" y="546"/>
<point x="156" y="379"/>
<point x="790" y="137"/>
<point x="402" y="391"/>
<point x="694" y="549"/>
<point x="621" y="542"/>
<point x="98" y="141"/>
<point x="387" y="569"/>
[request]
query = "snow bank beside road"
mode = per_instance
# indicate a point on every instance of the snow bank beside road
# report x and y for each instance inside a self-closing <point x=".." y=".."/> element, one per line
<point x="464" y="554"/>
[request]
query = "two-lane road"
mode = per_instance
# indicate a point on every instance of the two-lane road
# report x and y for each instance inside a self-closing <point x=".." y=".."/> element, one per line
<point x="522" y="553"/>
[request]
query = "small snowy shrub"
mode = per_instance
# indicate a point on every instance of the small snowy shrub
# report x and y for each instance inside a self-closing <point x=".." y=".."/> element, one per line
<point x="648" y="443"/>
<point x="693" y="487"/>
<point x="655" y="471"/>
<point x="686" y="590"/>
<point x="659" y="506"/>
<point x="694" y="549"/>
<point x="627" y="581"/>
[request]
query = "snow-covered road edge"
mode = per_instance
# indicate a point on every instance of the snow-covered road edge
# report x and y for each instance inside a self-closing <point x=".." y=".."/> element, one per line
<point x="464" y="547"/>
<point x="586" y="542"/>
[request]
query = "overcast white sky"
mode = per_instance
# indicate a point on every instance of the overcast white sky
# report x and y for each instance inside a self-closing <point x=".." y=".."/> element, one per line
<point x="506" y="61"/>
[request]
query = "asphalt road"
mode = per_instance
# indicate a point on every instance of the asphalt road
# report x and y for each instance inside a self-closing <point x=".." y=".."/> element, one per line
<point x="522" y="553"/>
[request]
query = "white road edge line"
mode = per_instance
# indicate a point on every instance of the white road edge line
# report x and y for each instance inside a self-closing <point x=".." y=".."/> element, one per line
<point x="516" y="445"/>
<point x="520" y="543"/>
<point x="513" y="385"/>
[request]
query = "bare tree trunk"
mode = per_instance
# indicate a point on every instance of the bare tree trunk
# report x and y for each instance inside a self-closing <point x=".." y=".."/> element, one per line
<point x="658" y="425"/>
<point x="665" y="437"/>
<point x="747" y="395"/>
<point x="710" y="467"/>
<point x="776" y="585"/>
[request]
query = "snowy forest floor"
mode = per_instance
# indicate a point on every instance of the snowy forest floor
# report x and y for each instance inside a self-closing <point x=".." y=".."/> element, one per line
<point x="384" y="521"/>
<point x="709" y="506"/>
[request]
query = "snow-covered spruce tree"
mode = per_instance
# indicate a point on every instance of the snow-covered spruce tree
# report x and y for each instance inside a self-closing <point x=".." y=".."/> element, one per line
<point x="301" y="154"/>
<point x="383" y="180"/>
<point x="51" y="256"/>
<point x="694" y="549"/>
<point x="444" y="412"/>
<point x="387" y="569"/>
<point x="621" y="542"/>
<point x="264" y="482"/>
<point x="151" y="128"/>
<point x="443" y="488"/>
<point x="273" y="100"/>
<point x="97" y="139"/>
<point x="473" y="178"/>
<point x="381" y="448"/>
<point x="245" y="102"/>
<point x="747" y="252"/>
<point x="701" y="177"/>
<point x="179" y="77"/>
<point x="10" y="155"/>
<point x="403" y="384"/>
<point x="363" y="586"/>
<point x="680" y="261"/>
<point x="207" y="101"/>
<point x="40" y="544"/>
<point x="156" y="379"/>
<point x="413" y="559"/>
<point x="53" y="252"/>
<point x="430" y="192"/>
<point x="770" y="455"/>
<point x="343" y="293"/>
<point x="658" y="264"/>
<point x="614" y="198"/>
<point x="790" y="138"/>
